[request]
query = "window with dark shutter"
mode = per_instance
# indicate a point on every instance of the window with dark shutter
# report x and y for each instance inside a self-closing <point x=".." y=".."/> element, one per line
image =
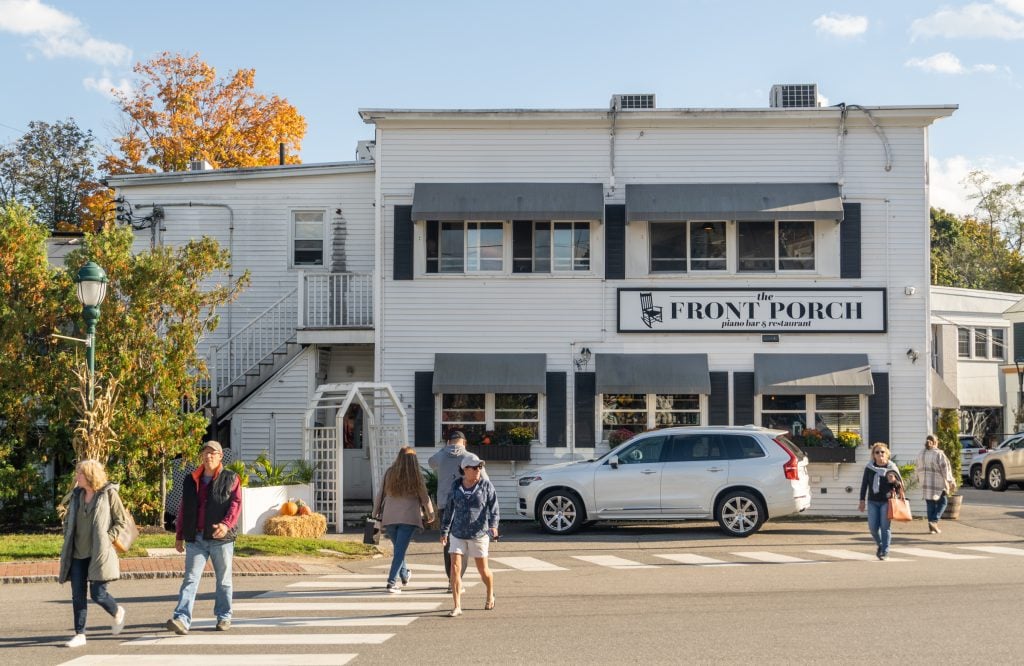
<point x="718" y="400"/>
<point x="424" y="412"/>
<point x="556" y="408"/>
<point x="743" y="398"/>
<point x="615" y="242"/>
<point x="522" y="246"/>
<point x="583" y="409"/>
<point x="849" y="241"/>
<point x="403" y="259"/>
<point x="878" y="408"/>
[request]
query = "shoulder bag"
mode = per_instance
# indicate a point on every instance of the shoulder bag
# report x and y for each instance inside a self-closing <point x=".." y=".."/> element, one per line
<point x="128" y="536"/>
<point x="899" y="508"/>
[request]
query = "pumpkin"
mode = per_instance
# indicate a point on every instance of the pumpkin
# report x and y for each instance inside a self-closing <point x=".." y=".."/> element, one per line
<point x="289" y="509"/>
<point x="304" y="510"/>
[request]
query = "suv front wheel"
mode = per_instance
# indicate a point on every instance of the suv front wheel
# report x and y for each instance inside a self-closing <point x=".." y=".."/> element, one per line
<point x="561" y="512"/>
<point x="740" y="513"/>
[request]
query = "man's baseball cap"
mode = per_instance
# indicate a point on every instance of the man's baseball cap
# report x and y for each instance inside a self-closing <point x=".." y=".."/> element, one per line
<point x="455" y="434"/>
<point x="471" y="460"/>
<point x="213" y="445"/>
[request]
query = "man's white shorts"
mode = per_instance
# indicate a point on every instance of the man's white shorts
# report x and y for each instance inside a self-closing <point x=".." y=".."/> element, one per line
<point x="469" y="547"/>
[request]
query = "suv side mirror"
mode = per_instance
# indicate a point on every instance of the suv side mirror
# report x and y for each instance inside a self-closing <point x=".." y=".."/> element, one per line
<point x="613" y="462"/>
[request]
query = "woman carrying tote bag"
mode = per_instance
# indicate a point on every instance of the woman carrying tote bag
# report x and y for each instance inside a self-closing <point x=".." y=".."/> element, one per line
<point x="875" y="488"/>
<point x="401" y="505"/>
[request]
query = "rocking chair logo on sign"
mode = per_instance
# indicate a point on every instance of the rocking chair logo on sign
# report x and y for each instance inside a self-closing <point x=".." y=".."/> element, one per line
<point x="783" y="310"/>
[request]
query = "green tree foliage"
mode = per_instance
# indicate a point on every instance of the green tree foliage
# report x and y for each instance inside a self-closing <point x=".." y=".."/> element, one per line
<point x="948" y="432"/>
<point x="51" y="170"/>
<point x="1000" y="206"/>
<point x="964" y="254"/>
<point x="159" y="303"/>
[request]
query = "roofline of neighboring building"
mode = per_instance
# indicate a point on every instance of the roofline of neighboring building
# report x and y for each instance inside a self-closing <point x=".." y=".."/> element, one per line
<point x="276" y="171"/>
<point x="931" y="112"/>
<point x="962" y="291"/>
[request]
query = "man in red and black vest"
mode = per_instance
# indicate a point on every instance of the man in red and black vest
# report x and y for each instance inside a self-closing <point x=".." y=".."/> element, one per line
<point x="211" y="502"/>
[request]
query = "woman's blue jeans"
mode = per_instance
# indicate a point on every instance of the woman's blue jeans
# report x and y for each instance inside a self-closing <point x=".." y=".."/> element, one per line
<point x="79" y="604"/>
<point x="879" y="525"/>
<point x="936" y="507"/>
<point x="400" y="536"/>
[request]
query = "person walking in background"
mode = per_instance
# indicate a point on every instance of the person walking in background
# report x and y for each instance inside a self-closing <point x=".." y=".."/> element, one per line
<point x="875" y="487"/>
<point x="936" y="477"/>
<point x="94" y="520"/>
<point x="211" y="502"/>
<point x="472" y="521"/>
<point x="401" y="504"/>
<point x="446" y="463"/>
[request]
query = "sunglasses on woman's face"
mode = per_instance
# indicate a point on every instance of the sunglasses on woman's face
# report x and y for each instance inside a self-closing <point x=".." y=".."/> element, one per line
<point x="879" y="453"/>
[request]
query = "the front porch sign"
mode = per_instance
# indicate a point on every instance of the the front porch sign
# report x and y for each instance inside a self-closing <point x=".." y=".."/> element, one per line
<point x="784" y="310"/>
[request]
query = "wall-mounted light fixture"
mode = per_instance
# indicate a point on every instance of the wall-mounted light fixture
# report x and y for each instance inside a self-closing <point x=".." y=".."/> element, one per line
<point x="912" y="355"/>
<point x="909" y="291"/>
<point x="583" y="359"/>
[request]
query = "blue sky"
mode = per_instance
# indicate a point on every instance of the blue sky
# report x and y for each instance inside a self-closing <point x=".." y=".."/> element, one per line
<point x="60" y="57"/>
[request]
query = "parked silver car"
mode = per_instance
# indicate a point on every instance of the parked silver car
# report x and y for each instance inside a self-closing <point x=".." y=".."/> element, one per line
<point x="737" y="475"/>
<point x="975" y="466"/>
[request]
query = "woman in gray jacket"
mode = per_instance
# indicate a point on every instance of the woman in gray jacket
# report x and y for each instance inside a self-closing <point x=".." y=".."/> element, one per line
<point x="93" y="522"/>
<point x="401" y="504"/>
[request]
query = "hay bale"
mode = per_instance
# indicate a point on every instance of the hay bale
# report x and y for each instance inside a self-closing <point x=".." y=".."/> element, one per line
<point x="312" y="526"/>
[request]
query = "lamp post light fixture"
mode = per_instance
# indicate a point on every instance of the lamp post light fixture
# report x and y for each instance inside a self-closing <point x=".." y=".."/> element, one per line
<point x="91" y="289"/>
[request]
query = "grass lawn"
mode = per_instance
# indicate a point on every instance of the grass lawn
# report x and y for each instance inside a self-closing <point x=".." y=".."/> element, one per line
<point x="47" y="546"/>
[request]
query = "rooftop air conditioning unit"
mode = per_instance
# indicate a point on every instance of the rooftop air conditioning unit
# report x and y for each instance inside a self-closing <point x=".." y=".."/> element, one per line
<point x="632" y="102"/>
<point x="794" y="96"/>
<point x="366" y="150"/>
<point x="199" y="165"/>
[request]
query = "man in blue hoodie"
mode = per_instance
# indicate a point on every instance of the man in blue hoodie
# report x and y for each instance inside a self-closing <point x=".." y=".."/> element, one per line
<point x="446" y="463"/>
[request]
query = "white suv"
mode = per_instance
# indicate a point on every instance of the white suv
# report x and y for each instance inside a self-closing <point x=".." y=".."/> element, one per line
<point x="737" y="475"/>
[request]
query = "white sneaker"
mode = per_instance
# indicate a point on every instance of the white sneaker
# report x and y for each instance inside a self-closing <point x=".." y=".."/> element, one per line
<point x="394" y="589"/>
<point x="117" y="626"/>
<point x="77" y="641"/>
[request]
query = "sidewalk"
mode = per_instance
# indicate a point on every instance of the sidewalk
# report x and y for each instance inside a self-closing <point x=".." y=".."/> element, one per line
<point x="152" y="567"/>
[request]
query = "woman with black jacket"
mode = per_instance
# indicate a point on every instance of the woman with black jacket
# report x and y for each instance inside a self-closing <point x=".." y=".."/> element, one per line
<point x="876" y="488"/>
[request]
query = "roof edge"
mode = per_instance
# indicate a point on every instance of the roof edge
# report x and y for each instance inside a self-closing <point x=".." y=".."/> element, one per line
<point x="276" y="171"/>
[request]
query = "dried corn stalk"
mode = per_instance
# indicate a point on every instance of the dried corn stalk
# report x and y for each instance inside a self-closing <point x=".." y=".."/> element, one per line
<point x="94" y="437"/>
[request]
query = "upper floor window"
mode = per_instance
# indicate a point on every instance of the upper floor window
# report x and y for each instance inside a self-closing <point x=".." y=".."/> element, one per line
<point x="482" y="247"/>
<point x="679" y="246"/>
<point x="550" y="247"/>
<point x="963" y="342"/>
<point x="307" y="238"/>
<point x="775" y="246"/>
<point x="983" y="342"/>
<point x="465" y="247"/>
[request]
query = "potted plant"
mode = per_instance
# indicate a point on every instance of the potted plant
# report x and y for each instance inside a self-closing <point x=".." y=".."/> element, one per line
<point x="616" y="437"/>
<point x="812" y="437"/>
<point x="513" y="445"/>
<point x="271" y="485"/>
<point x="842" y="449"/>
<point x="850" y="440"/>
<point x="948" y="432"/>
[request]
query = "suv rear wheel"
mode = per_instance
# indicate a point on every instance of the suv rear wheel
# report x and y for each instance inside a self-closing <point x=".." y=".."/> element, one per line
<point x="740" y="513"/>
<point x="996" y="477"/>
<point x="561" y="512"/>
<point x="978" y="478"/>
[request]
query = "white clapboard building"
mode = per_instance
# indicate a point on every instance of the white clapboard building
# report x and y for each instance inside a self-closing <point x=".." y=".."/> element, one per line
<point x="570" y="273"/>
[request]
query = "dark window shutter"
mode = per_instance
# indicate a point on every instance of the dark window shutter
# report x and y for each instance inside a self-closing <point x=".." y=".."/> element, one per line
<point x="522" y="246"/>
<point x="403" y="243"/>
<point x="878" y="408"/>
<point x="424" y="412"/>
<point x="743" y="398"/>
<point x="556" y="408"/>
<point x="586" y="401"/>
<point x="849" y="241"/>
<point x="615" y="242"/>
<point x="718" y="401"/>
<point x="1018" y="341"/>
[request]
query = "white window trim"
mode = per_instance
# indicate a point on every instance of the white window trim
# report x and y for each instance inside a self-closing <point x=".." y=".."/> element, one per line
<point x="702" y="412"/>
<point x="291" y="238"/>
<point x="972" y="339"/>
<point x="811" y="409"/>
<point x="542" y="411"/>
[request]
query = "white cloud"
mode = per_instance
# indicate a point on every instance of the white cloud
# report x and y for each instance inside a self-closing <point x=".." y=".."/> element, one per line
<point x="106" y="86"/>
<point x="947" y="63"/>
<point x="841" y="25"/>
<point x="946" y="179"/>
<point x="58" y="35"/>
<point x="977" y="20"/>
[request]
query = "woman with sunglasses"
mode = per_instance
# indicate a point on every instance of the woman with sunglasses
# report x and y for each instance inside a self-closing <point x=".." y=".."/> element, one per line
<point x="471" y="521"/>
<point x="876" y="487"/>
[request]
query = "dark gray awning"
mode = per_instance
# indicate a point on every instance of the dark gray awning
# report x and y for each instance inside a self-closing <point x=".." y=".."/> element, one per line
<point x="508" y="201"/>
<point x="734" y="201"/>
<point x="823" y="374"/>
<point x="653" y="373"/>
<point x="943" y="397"/>
<point x="490" y="373"/>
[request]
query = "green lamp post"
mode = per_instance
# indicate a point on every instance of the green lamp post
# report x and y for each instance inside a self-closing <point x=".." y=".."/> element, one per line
<point x="91" y="282"/>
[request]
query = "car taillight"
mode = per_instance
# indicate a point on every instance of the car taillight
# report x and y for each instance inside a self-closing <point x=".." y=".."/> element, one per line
<point x="791" y="468"/>
<point x="980" y="451"/>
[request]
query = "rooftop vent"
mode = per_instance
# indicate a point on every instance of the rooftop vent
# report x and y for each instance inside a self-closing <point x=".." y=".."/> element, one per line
<point x="199" y="165"/>
<point x="365" y="150"/>
<point x="794" y="96"/>
<point x="632" y="102"/>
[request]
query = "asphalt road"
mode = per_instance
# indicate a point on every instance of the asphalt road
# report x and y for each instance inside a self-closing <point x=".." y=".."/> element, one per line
<point x="918" y="607"/>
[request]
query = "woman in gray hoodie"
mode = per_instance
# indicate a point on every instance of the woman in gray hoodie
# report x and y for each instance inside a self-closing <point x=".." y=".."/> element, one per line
<point x="446" y="463"/>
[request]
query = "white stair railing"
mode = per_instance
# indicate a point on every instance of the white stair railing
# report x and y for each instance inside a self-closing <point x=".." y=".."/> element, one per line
<point x="232" y="359"/>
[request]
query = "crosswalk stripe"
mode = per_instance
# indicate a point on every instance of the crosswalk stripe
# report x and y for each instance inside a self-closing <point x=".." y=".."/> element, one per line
<point x="841" y="554"/>
<point x="997" y="550"/>
<point x="700" y="560"/>
<point x="614" y="562"/>
<point x="937" y="554"/>
<point x="416" y="565"/>
<point x="772" y="558"/>
<point x="354" y="594"/>
<point x="222" y="660"/>
<point x="527" y="564"/>
<point x="377" y="576"/>
<point x="291" y="606"/>
<point x="286" y="622"/>
<point x="259" y="639"/>
<point x="370" y="585"/>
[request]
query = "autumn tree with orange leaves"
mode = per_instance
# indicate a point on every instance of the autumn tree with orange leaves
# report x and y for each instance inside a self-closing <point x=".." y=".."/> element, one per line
<point x="180" y="111"/>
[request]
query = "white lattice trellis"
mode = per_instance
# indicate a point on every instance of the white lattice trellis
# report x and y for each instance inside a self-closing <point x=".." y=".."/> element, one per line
<point x="322" y="445"/>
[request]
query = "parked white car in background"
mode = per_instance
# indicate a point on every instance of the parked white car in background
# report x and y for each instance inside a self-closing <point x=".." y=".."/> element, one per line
<point x="737" y="475"/>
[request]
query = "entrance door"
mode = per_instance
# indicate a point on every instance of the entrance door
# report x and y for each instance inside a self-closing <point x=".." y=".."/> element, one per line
<point x="634" y="487"/>
<point x="355" y="457"/>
